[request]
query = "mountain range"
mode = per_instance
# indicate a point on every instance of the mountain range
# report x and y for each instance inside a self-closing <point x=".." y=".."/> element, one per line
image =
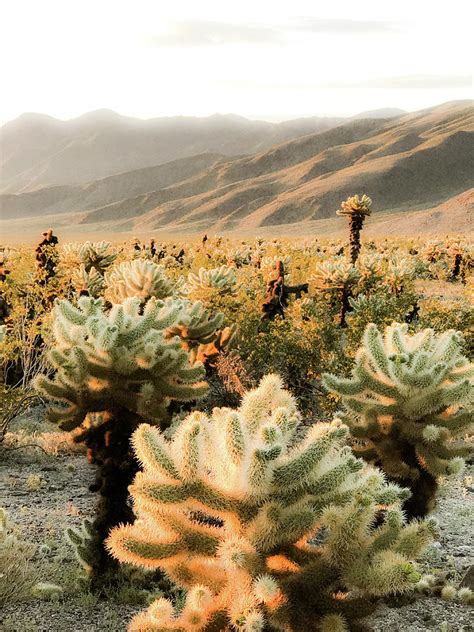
<point x="106" y="173"/>
<point x="38" y="150"/>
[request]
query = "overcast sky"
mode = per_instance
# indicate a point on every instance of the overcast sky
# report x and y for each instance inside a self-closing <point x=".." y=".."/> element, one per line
<point x="267" y="59"/>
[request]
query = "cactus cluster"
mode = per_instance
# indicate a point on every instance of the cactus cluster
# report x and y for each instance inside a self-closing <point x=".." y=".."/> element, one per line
<point x="223" y="280"/>
<point x="397" y="272"/>
<point x="98" y="255"/>
<point x="265" y="529"/>
<point x="337" y="280"/>
<point x="138" y="278"/>
<point x="335" y="274"/>
<point x="408" y="403"/>
<point x="196" y="327"/>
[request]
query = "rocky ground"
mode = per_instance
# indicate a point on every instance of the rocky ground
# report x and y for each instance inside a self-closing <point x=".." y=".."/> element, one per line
<point x="46" y="492"/>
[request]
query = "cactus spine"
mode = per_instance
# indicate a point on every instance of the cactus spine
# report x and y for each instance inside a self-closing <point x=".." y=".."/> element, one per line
<point x="408" y="402"/>
<point x="264" y="531"/>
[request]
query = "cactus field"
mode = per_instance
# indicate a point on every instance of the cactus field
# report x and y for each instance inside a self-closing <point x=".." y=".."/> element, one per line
<point x="248" y="435"/>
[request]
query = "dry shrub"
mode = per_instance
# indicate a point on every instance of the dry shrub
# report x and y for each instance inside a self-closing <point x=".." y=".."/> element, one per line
<point x="17" y="576"/>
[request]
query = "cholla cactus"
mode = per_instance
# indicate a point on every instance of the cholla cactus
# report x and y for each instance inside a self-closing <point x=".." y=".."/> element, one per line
<point x="335" y="274"/>
<point x="121" y="359"/>
<point x="433" y="251"/>
<point x="209" y="353"/>
<point x="138" y="278"/>
<point x="114" y="369"/>
<point x="222" y="280"/>
<point x="98" y="255"/>
<point x="356" y="206"/>
<point x="87" y="283"/>
<point x="262" y="530"/>
<point x="409" y="399"/>
<point x="240" y="256"/>
<point x="337" y="278"/>
<point x="397" y="272"/>
<point x="356" y="209"/>
<point x="196" y="327"/>
<point x="80" y="540"/>
<point x="371" y="269"/>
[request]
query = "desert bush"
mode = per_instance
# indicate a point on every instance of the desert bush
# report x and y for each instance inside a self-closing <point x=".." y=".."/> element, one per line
<point x="17" y="575"/>
<point x="439" y="314"/>
<point x="26" y="325"/>
<point x="13" y="401"/>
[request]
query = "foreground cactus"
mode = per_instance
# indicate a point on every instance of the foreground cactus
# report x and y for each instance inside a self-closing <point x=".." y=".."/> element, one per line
<point x="114" y="369"/>
<point x="408" y="400"/>
<point x="121" y="359"/>
<point x="356" y="209"/>
<point x="264" y="531"/>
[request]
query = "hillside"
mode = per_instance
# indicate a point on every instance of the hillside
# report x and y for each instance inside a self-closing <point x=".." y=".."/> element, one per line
<point x="414" y="162"/>
<point x="38" y="150"/>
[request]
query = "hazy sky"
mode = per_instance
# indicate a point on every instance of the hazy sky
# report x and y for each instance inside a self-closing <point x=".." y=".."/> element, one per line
<point x="267" y="59"/>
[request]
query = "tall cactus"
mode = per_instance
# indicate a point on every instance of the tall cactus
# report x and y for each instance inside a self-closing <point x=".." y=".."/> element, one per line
<point x="356" y="209"/>
<point x="114" y="370"/>
<point x="407" y="403"/>
<point x="263" y="530"/>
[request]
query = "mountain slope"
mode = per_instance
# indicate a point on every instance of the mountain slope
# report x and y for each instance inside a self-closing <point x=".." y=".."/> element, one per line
<point x="38" y="151"/>
<point x="417" y="161"/>
<point x="80" y="197"/>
